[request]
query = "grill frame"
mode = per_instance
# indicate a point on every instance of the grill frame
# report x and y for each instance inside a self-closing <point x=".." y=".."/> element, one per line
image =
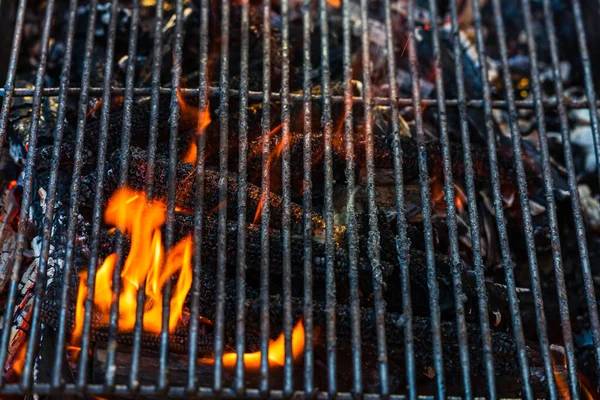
<point x="223" y="94"/>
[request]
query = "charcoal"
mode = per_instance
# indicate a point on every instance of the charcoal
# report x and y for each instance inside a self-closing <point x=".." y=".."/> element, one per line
<point x="185" y="187"/>
<point x="497" y="297"/>
<point x="140" y="126"/>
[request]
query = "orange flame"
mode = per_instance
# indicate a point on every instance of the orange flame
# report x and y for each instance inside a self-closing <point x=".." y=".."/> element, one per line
<point x="276" y="352"/>
<point x="274" y="155"/>
<point x="335" y="3"/>
<point x="191" y="113"/>
<point x="12" y="184"/>
<point x="19" y="362"/>
<point x="559" y="369"/>
<point x="134" y="215"/>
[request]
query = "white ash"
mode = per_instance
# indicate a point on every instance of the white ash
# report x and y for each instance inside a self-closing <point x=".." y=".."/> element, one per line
<point x="590" y="207"/>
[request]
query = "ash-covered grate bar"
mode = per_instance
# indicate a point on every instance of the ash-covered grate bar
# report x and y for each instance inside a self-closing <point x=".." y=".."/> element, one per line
<point x="350" y="172"/>
<point x="134" y="375"/>
<point x="123" y="174"/>
<point x="473" y="209"/>
<point x="98" y="204"/>
<point x="27" y="196"/>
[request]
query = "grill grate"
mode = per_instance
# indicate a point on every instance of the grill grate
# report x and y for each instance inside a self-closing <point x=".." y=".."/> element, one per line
<point x="223" y="94"/>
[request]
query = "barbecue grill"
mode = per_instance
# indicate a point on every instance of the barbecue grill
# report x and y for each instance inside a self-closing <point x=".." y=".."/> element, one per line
<point x="46" y="368"/>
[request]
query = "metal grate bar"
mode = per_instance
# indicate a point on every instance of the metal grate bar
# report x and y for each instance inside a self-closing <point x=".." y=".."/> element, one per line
<point x="124" y="168"/>
<point x="152" y="140"/>
<point x="374" y="238"/>
<point x="327" y="125"/>
<point x="472" y="207"/>
<point x="351" y="229"/>
<point x="9" y="89"/>
<point x="222" y="218"/>
<point x="242" y="194"/>
<point x="307" y="199"/>
<point x="199" y="201"/>
<point x="265" y="212"/>
<point x="552" y="215"/>
<point x="402" y="241"/>
<point x="574" y="192"/>
<point x="175" y="112"/>
<point x="434" y="304"/>
<point x="57" y="380"/>
<point x="98" y="199"/>
<point x="591" y="96"/>
<point x="26" y="379"/>
<point x="27" y="193"/>
<point x="214" y="92"/>
<point x="288" y="385"/>
<point x="524" y="202"/>
<point x="450" y="207"/>
<point x="498" y="209"/>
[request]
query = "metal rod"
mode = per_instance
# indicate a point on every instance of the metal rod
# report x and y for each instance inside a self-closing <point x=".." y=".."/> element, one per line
<point x="374" y="238"/>
<point x="222" y="217"/>
<point x="9" y="87"/>
<point x="402" y="242"/>
<point x="434" y="305"/>
<point x="551" y="204"/>
<point x="351" y="224"/>
<point x="123" y="173"/>
<point x="575" y="201"/>
<point x="265" y="190"/>
<point x="82" y="369"/>
<point x="199" y="201"/>
<point x="307" y="198"/>
<point x="171" y="191"/>
<point x="57" y="381"/>
<point x="25" y="209"/>
<point x="240" y="332"/>
<point x="288" y="384"/>
<point x="478" y="266"/>
<point x="214" y="92"/>
<point x="134" y="383"/>
<point x="450" y="206"/>
<point x="327" y="125"/>
<point x="524" y="202"/>
<point x="507" y="262"/>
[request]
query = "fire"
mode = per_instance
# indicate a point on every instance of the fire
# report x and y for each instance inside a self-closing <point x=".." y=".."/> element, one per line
<point x="135" y="216"/>
<point x="559" y="369"/>
<point x="276" y="352"/>
<point x="274" y="155"/>
<point x="19" y="362"/>
<point x="12" y="184"/>
<point x="335" y="3"/>
<point x="192" y="113"/>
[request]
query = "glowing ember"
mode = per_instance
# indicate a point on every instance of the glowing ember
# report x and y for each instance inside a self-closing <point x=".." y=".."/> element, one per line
<point x="19" y="362"/>
<point x="276" y="352"/>
<point x="134" y="215"/>
<point x="190" y="112"/>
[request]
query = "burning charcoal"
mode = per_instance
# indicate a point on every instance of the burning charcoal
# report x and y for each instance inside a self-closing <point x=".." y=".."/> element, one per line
<point x="498" y="300"/>
<point x="185" y="187"/>
<point x="140" y="126"/>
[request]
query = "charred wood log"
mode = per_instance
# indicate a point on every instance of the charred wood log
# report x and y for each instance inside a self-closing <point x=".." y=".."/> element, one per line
<point x="185" y="186"/>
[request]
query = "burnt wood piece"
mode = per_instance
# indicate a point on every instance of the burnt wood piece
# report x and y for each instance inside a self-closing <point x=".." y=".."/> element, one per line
<point x="383" y="157"/>
<point x="140" y="126"/>
<point x="185" y="188"/>
<point x="504" y="347"/>
<point x="497" y="297"/>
